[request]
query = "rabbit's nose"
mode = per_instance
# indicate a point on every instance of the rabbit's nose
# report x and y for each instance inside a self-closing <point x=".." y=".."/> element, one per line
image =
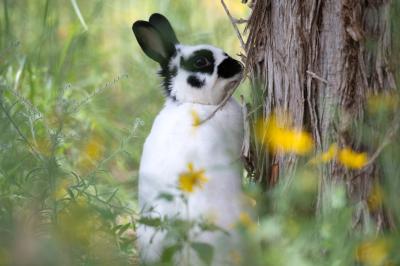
<point x="229" y="68"/>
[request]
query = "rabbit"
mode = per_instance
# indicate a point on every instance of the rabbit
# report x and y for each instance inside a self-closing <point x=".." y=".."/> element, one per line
<point x="195" y="79"/>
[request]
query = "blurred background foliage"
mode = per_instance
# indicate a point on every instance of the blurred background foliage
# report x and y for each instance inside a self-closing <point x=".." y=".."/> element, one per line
<point x="78" y="98"/>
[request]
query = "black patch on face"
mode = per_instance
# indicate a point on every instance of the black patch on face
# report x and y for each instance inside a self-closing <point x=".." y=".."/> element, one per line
<point x="167" y="75"/>
<point x="195" y="81"/>
<point x="229" y="68"/>
<point x="201" y="61"/>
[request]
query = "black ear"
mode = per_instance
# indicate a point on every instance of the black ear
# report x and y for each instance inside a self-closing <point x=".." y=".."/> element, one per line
<point x="163" y="26"/>
<point x="152" y="42"/>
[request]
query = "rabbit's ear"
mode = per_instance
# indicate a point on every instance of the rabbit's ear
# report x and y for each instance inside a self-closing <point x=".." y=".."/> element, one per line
<point x="152" y="42"/>
<point x="163" y="26"/>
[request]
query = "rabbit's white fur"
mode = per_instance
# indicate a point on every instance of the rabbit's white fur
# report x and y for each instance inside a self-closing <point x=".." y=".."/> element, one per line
<point x="172" y="144"/>
<point x="196" y="79"/>
<point x="214" y="88"/>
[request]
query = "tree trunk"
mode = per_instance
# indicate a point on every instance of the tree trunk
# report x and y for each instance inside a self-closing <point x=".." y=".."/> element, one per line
<point x="318" y="60"/>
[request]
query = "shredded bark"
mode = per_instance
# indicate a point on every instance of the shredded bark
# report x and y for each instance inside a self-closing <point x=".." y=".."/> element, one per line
<point x="318" y="60"/>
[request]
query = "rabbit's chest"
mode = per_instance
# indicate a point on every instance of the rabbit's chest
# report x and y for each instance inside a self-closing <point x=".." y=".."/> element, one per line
<point x="175" y="142"/>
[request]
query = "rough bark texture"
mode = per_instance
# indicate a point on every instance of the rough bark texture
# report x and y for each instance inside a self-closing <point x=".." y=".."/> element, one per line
<point x="318" y="60"/>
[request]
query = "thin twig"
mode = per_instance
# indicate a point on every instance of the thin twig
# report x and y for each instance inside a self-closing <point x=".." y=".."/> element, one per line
<point x="313" y="75"/>
<point x="241" y="21"/>
<point x="236" y="84"/>
<point x="224" y="101"/>
<point x="386" y="141"/>
<point x="36" y="153"/>
<point x="233" y="21"/>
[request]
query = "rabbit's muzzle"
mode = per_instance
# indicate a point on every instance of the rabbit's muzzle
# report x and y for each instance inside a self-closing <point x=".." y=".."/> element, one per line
<point x="229" y="68"/>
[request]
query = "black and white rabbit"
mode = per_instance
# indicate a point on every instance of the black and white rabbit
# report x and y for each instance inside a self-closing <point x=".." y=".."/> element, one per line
<point x="195" y="79"/>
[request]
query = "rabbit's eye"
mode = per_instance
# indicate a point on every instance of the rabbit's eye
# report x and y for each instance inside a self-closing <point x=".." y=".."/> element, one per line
<point x="201" y="62"/>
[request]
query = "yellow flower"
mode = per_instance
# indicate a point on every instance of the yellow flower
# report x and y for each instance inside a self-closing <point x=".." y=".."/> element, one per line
<point x="94" y="149"/>
<point x="330" y="153"/>
<point x="373" y="253"/>
<point x="78" y="224"/>
<point x="92" y="152"/>
<point x="382" y="102"/>
<point x="249" y="201"/>
<point x="192" y="179"/>
<point x="195" y="117"/>
<point x="345" y="156"/>
<point x="281" y="138"/>
<point x="352" y="159"/>
<point x="375" y="199"/>
<point x="327" y="156"/>
<point x="62" y="189"/>
<point x="246" y="221"/>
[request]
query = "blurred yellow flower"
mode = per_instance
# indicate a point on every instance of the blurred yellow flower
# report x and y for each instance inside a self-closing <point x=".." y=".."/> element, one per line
<point x="94" y="149"/>
<point x="192" y="179"/>
<point x="195" y="118"/>
<point x="327" y="156"/>
<point x="61" y="191"/>
<point x="330" y="153"/>
<point x="373" y="253"/>
<point x="375" y="199"/>
<point x="352" y="159"/>
<point x="281" y="138"/>
<point x="246" y="221"/>
<point x="382" y="102"/>
<point x="249" y="201"/>
<point x="92" y="152"/>
<point x="78" y="224"/>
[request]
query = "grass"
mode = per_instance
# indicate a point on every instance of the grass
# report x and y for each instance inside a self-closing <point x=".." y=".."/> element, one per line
<point x="78" y="98"/>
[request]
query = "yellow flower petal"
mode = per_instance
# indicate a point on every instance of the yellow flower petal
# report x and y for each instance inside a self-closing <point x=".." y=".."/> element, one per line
<point x="246" y="221"/>
<point x="330" y="153"/>
<point x="94" y="149"/>
<point x="195" y="117"/>
<point x="191" y="179"/>
<point x="327" y="156"/>
<point x="281" y="138"/>
<point x="373" y="253"/>
<point x="383" y="102"/>
<point x="62" y="189"/>
<point x="352" y="159"/>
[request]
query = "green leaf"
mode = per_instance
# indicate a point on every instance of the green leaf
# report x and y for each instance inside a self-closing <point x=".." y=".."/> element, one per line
<point x="166" y="196"/>
<point x="150" y="221"/>
<point x="204" y="251"/>
<point x="169" y="252"/>
<point x="123" y="228"/>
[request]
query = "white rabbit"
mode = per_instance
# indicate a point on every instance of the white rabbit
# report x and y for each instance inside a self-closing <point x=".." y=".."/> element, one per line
<point x="195" y="79"/>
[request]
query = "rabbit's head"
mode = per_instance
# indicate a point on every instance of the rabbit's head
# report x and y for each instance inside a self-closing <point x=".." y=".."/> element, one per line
<point x="198" y="74"/>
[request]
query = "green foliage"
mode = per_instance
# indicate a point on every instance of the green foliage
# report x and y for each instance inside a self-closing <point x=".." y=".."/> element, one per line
<point x="77" y="99"/>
